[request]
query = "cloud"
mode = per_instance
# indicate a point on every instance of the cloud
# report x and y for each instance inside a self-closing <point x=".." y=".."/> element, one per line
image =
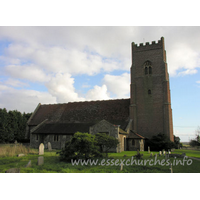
<point x="53" y="55"/>
<point x="23" y="100"/>
<point x="58" y="59"/>
<point x="28" y="72"/>
<point x="15" y="83"/>
<point x="187" y="72"/>
<point x="182" y="56"/>
<point x="119" y="86"/>
<point x="61" y="87"/>
<point x="98" y="93"/>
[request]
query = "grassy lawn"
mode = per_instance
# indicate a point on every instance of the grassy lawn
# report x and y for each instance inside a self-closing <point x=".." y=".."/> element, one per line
<point x="52" y="164"/>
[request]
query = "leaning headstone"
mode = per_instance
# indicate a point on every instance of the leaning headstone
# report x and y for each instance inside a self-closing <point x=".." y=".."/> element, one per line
<point x="151" y="155"/>
<point x="41" y="149"/>
<point x="171" y="170"/>
<point x="29" y="164"/>
<point x="13" y="170"/>
<point x="40" y="160"/>
<point x="20" y="155"/>
<point x="49" y="146"/>
<point x="121" y="167"/>
<point x="183" y="154"/>
<point x="148" y="149"/>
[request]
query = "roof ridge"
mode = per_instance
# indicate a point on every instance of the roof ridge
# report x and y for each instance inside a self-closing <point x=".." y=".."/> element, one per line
<point x="85" y="101"/>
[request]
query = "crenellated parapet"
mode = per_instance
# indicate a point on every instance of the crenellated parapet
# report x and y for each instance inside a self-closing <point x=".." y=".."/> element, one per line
<point x="148" y="46"/>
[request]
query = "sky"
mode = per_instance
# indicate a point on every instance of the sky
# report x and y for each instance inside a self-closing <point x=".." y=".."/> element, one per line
<point x="60" y="64"/>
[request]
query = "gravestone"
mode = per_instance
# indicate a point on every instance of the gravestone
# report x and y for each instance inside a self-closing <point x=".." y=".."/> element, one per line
<point x="20" y="155"/>
<point x="138" y="152"/>
<point x="40" y="160"/>
<point x="41" y="149"/>
<point x="160" y="153"/>
<point x="151" y="155"/>
<point x="183" y="154"/>
<point x="124" y="155"/>
<point x="29" y="164"/>
<point x="171" y="170"/>
<point x="13" y="170"/>
<point x="148" y="149"/>
<point x="121" y="167"/>
<point x="49" y="146"/>
<point x="163" y="152"/>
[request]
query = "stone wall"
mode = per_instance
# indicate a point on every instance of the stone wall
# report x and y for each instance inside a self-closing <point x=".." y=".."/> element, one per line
<point x="108" y="128"/>
<point x="56" y="142"/>
<point x="135" y="145"/>
<point x="150" y="106"/>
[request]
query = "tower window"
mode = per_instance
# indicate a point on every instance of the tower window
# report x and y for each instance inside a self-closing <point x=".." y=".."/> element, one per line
<point x="147" y="68"/>
<point x="150" y="70"/>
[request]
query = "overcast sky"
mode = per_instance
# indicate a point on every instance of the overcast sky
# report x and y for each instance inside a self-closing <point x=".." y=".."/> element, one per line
<point x="63" y="64"/>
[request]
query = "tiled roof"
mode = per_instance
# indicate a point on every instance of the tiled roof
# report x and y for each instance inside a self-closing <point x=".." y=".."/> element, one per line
<point x="135" y="135"/>
<point x="114" y="111"/>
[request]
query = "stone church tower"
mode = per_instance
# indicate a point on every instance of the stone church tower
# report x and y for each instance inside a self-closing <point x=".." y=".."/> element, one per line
<point x="150" y="106"/>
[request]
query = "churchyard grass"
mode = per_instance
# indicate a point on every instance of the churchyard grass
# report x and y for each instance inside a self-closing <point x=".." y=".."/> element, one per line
<point x="52" y="163"/>
<point x="13" y="150"/>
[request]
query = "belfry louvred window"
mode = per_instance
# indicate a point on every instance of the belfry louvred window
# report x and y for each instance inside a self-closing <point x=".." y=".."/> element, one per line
<point x="147" y="68"/>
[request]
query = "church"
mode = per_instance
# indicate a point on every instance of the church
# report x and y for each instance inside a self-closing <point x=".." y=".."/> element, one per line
<point x="132" y="121"/>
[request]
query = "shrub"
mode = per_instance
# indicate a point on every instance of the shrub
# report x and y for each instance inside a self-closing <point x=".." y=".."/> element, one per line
<point x="81" y="146"/>
<point x="160" y="142"/>
<point x="85" y="146"/>
<point x="105" y="142"/>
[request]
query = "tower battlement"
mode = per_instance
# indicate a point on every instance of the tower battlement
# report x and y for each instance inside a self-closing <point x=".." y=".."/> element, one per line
<point x="150" y="108"/>
<point x="148" y="46"/>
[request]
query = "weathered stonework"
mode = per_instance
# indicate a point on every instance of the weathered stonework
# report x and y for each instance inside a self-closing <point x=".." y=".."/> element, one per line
<point x="146" y="113"/>
<point x="110" y="129"/>
<point x="150" y="107"/>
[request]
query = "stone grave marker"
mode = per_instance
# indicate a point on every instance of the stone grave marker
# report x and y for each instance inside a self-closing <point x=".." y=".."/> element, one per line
<point x="49" y="146"/>
<point x="40" y="160"/>
<point x="20" y="155"/>
<point x="171" y="170"/>
<point x="41" y="149"/>
<point x="183" y="154"/>
<point x="121" y="167"/>
<point x="148" y="149"/>
<point x="151" y="155"/>
<point x="29" y="164"/>
<point x="160" y="153"/>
